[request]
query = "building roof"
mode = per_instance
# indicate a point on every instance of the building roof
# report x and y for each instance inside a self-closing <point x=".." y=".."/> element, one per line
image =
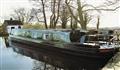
<point x="13" y="22"/>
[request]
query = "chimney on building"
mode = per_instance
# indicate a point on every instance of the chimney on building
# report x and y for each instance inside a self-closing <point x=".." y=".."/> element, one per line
<point x="11" y="19"/>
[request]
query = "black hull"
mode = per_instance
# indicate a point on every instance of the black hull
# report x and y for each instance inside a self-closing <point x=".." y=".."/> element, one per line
<point x="71" y="58"/>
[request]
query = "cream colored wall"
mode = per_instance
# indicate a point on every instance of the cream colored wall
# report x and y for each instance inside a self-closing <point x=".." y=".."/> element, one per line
<point x="15" y="26"/>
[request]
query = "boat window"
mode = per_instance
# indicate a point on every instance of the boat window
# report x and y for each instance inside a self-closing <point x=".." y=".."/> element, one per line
<point x="91" y="38"/>
<point x="12" y="27"/>
<point x="47" y="36"/>
<point x="19" y="27"/>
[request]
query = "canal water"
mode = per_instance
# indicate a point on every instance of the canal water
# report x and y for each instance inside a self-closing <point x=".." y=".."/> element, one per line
<point x="10" y="60"/>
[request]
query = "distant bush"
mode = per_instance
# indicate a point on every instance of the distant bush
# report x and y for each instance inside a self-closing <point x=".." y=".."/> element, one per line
<point x="41" y="26"/>
<point x="33" y="26"/>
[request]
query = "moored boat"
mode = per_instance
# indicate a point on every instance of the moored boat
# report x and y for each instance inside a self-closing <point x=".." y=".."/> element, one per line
<point x="65" y="46"/>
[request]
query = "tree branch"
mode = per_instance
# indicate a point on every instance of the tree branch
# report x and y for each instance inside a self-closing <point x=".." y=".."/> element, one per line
<point x="67" y="4"/>
<point x="102" y="9"/>
<point x="86" y="5"/>
<point x="111" y="2"/>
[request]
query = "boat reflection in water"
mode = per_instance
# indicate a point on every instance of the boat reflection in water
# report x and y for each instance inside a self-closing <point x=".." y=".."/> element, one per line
<point x="10" y="60"/>
<point x="114" y="63"/>
<point x="62" y="54"/>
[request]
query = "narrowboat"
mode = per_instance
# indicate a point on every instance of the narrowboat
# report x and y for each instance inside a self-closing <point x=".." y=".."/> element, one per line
<point x="65" y="48"/>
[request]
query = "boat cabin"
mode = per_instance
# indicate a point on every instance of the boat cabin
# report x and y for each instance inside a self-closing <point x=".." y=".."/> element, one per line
<point x="66" y="36"/>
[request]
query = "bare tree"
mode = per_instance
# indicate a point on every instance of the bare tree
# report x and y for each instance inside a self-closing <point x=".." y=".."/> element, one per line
<point x="78" y="10"/>
<point x="21" y="14"/>
<point x="42" y="3"/>
<point x="83" y="9"/>
<point x="64" y="15"/>
<point x="35" y="14"/>
<point x="98" y="23"/>
<point x="73" y="22"/>
<point x="43" y="7"/>
<point x="55" y="6"/>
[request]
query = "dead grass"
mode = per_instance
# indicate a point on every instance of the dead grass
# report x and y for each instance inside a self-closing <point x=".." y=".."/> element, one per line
<point x="33" y="26"/>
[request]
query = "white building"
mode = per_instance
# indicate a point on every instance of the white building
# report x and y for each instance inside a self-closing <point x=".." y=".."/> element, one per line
<point x="12" y="24"/>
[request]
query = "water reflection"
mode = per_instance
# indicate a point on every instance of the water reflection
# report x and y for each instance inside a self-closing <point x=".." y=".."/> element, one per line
<point x="10" y="60"/>
<point x="114" y="63"/>
<point x="13" y="61"/>
<point x="43" y="66"/>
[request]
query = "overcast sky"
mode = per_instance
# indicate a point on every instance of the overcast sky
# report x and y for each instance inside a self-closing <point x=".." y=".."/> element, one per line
<point x="108" y="19"/>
